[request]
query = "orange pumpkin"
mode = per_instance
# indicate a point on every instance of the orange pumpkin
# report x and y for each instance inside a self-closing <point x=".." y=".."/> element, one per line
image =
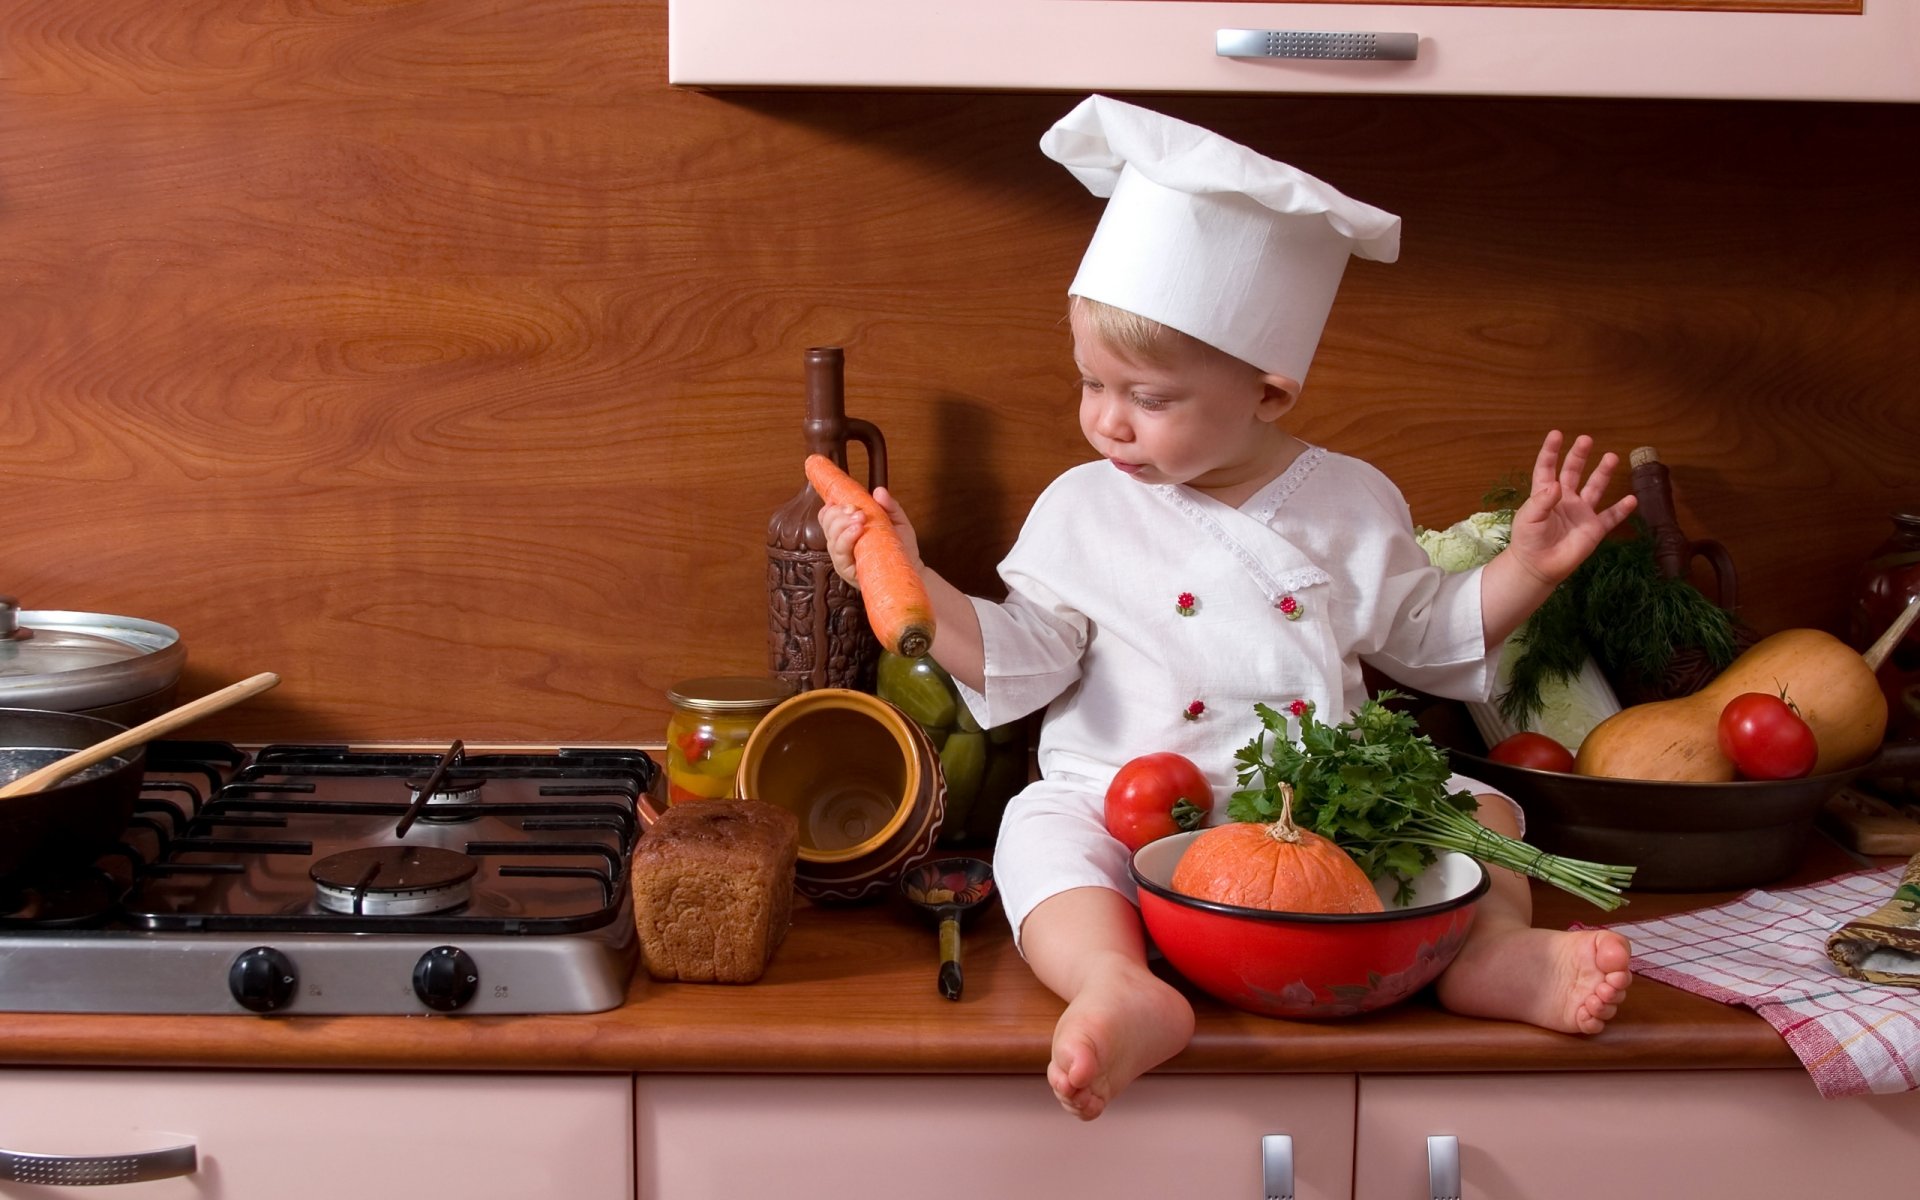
<point x="1279" y="867"/>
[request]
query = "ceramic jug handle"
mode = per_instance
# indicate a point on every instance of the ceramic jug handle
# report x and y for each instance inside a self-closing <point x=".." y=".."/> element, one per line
<point x="1725" y="582"/>
<point x="868" y="435"/>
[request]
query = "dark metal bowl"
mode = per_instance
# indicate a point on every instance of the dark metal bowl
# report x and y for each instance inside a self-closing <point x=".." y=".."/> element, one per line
<point x="1679" y="837"/>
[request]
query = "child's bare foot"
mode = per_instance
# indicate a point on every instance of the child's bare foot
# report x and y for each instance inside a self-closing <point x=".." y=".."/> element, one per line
<point x="1120" y="1026"/>
<point x="1571" y="981"/>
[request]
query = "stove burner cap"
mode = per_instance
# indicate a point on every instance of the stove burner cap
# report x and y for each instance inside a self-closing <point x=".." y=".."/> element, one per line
<point x="454" y="789"/>
<point x="393" y="880"/>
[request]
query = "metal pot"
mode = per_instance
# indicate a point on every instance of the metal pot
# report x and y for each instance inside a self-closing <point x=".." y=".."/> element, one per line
<point x="116" y="668"/>
<point x="72" y="822"/>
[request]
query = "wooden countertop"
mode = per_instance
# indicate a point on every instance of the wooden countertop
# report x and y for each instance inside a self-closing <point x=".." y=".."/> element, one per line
<point x="852" y="991"/>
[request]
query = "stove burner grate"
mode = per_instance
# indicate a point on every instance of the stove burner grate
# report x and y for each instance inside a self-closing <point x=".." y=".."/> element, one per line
<point x="550" y="834"/>
<point x="220" y="856"/>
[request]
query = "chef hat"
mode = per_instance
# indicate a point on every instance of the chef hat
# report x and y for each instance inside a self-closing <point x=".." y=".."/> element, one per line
<point x="1204" y="235"/>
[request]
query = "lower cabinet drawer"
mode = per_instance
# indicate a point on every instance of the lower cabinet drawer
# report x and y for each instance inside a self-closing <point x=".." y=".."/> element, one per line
<point x="319" y="1136"/>
<point x="860" y="1137"/>
<point x="1697" y="1135"/>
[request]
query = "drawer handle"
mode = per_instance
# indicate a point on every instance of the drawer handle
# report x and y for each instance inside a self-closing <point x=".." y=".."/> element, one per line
<point x="1276" y="1165"/>
<point x="1443" y="1166"/>
<point x="1311" y="43"/>
<point x="98" y="1170"/>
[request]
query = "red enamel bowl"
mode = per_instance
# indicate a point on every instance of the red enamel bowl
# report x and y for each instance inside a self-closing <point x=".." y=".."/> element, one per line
<point x="1281" y="964"/>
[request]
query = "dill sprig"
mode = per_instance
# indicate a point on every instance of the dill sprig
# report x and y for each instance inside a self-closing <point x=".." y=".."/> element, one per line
<point x="1619" y="608"/>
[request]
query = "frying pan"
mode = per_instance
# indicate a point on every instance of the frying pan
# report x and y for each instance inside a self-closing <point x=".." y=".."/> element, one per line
<point x="72" y="822"/>
<point x="71" y="780"/>
<point x="1681" y="837"/>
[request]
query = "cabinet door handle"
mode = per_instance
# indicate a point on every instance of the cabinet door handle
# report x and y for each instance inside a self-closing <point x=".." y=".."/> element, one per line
<point x="1443" y="1166"/>
<point x="98" y="1170"/>
<point x="1313" y="43"/>
<point x="1276" y="1165"/>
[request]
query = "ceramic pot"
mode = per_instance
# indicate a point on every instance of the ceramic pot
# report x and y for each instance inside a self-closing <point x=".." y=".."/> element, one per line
<point x="864" y="780"/>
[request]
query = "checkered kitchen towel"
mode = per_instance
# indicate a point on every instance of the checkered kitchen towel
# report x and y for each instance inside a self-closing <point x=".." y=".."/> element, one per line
<point x="1767" y="951"/>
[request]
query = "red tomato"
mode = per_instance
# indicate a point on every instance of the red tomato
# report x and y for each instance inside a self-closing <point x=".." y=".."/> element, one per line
<point x="1536" y="750"/>
<point x="1766" y="738"/>
<point x="1156" y="796"/>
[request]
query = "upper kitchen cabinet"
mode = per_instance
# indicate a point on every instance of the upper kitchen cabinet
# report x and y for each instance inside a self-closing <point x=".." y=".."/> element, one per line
<point x="1700" y="49"/>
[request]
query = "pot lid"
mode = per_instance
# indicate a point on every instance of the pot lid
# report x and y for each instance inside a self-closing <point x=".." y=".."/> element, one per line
<point x="72" y="661"/>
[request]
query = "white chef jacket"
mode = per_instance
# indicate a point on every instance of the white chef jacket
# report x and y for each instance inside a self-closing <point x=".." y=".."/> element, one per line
<point x="1092" y="629"/>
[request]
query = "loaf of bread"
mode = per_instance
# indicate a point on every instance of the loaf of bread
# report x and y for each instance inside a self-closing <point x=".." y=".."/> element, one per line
<point x="713" y="889"/>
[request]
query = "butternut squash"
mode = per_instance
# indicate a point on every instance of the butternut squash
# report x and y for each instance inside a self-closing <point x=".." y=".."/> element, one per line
<point x="1829" y="681"/>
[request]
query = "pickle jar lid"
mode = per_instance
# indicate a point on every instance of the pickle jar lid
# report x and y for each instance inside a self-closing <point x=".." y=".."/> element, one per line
<point x="730" y="693"/>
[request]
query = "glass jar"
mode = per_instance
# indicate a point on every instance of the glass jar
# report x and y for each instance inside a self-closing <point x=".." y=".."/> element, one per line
<point x="708" y="728"/>
<point x="1888" y="580"/>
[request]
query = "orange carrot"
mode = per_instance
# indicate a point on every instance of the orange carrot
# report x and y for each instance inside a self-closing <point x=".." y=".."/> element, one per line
<point x="897" y="604"/>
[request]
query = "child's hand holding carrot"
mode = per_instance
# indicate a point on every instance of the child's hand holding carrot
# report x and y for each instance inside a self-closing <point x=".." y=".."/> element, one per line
<point x="873" y="547"/>
<point x="844" y="525"/>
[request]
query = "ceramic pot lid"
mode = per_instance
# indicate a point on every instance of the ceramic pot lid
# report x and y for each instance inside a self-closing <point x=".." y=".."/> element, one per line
<point x="73" y="661"/>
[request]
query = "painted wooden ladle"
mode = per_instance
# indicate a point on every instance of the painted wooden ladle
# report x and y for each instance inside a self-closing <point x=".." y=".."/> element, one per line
<point x="140" y="734"/>
<point x="944" y="888"/>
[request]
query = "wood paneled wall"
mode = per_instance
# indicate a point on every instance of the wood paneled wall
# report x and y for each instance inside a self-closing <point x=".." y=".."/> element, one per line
<point x="439" y="357"/>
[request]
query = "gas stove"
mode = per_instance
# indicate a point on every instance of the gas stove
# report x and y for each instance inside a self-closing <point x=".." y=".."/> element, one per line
<point x="325" y="879"/>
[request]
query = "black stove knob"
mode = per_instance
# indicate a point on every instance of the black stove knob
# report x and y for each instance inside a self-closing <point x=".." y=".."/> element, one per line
<point x="262" y="979"/>
<point x="445" y="978"/>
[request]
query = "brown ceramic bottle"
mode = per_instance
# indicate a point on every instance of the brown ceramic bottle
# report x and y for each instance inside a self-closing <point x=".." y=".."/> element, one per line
<point x="1673" y="550"/>
<point x="1690" y="668"/>
<point x="817" y="632"/>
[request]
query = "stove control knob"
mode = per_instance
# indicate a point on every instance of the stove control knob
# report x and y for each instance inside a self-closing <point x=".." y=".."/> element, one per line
<point x="262" y="979"/>
<point x="445" y="978"/>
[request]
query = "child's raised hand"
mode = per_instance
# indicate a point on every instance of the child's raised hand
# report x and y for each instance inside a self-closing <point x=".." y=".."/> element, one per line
<point x="1561" y="522"/>
<point x="843" y="527"/>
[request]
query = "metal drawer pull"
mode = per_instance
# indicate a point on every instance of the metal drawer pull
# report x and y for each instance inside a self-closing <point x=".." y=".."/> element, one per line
<point x="98" y="1170"/>
<point x="1276" y="1165"/>
<point x="1310" y="43"/>
<point x="1443" y="1166"/>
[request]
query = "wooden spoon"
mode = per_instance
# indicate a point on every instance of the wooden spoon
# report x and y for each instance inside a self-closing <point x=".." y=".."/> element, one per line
<point x="146" y="731"/>
<point x="1877" y="653"/>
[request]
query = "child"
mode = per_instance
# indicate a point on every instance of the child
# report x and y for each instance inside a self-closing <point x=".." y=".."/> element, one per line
<point x="1213" y="560"/>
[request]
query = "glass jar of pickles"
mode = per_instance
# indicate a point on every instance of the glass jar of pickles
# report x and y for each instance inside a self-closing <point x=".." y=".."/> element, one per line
<point x="708" y="729"/>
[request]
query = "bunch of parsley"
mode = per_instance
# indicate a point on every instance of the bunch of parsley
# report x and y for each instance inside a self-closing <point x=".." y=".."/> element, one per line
<point x="1377" y="788"/>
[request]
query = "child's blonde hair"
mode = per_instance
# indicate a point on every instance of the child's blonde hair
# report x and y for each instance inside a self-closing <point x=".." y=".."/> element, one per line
<point x="1140" y="337"/>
